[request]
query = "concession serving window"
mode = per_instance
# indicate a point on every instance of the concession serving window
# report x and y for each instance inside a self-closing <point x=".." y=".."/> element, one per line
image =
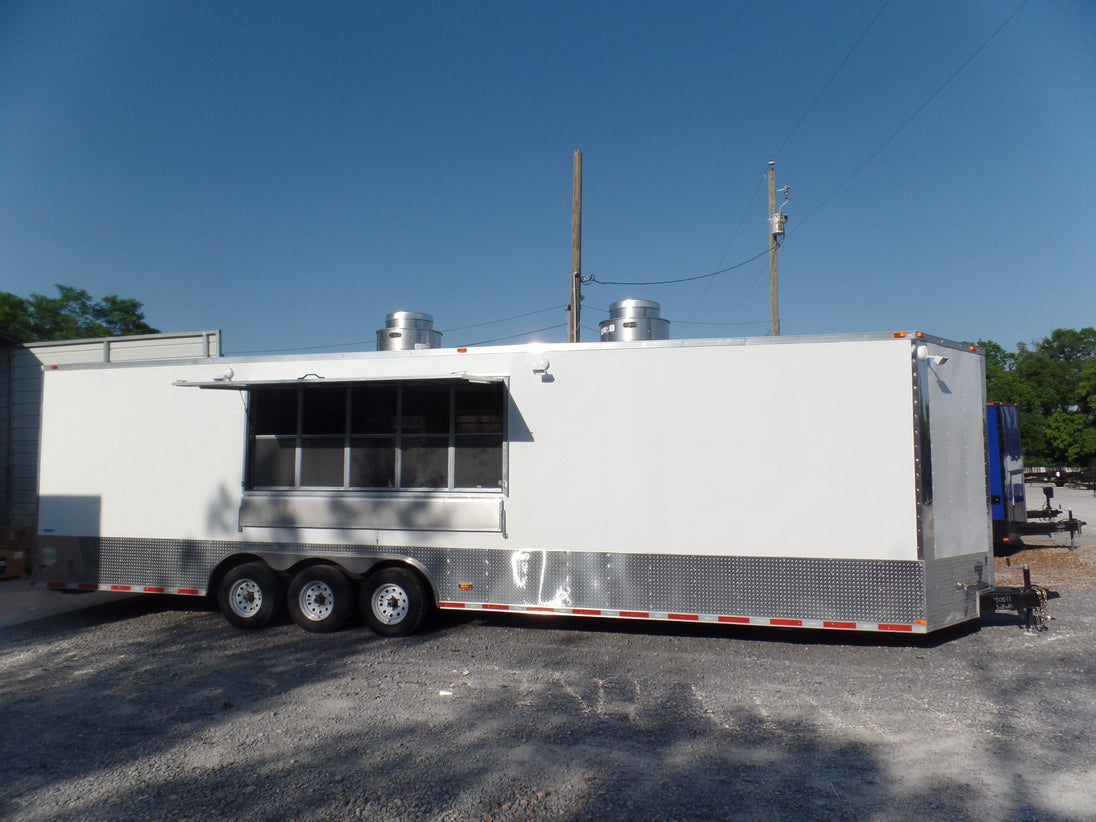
<point x="409" y="453"/>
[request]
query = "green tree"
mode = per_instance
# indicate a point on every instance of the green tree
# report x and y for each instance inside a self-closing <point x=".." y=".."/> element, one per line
<point x="1002" y="382"/>
<point x="1054" y="383"/>
<point x="1070" y="436"/>
<point x="71" y="315"/>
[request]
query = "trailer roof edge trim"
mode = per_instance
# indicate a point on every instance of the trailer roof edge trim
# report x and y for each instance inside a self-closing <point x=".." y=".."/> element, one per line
<point x="314" y="379"/>
<point x="909" y="337"/>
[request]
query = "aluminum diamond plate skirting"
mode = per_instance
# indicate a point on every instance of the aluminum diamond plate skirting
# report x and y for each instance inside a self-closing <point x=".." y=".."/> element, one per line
<point x="772" y="588"/>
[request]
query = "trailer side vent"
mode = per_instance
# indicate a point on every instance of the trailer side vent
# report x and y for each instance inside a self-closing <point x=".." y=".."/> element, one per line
<point x="631" y="320"/>
<point x="408" y="330"/>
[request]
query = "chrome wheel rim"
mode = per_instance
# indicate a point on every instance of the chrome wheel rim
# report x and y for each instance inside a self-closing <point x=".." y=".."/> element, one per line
<point x="246" y="598"/>
<point x="316" y="600"/>
<point x="390" y="604"/>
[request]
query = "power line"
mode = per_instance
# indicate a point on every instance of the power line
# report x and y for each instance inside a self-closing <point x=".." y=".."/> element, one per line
<point x="738" y="229"/>
<point x="720" y="324"/>
<point x="522" y="334"/>
<point x="373" y="343"/>
<point x="305" y="348"/>
<point x="505" y="319"/>
<point x="594" y="279"/>
<point x="709" y="276"/>
<point x="749" y="291"/>
<point x="791" y="133"/>
<point x="833" y="76"/>
<point x="916" y="111"/>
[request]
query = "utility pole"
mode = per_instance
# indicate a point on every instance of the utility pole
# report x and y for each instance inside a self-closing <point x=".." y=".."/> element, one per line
<point x="575" y="307"/>
<point x="776" y="231"/>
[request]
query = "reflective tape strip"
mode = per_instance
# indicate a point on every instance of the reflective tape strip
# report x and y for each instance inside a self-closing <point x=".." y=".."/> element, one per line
<point x="118" y="588"/>
<point x="919" y="627"/>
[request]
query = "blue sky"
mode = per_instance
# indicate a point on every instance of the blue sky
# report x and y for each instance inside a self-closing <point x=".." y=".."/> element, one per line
<point x="289" y="173"/>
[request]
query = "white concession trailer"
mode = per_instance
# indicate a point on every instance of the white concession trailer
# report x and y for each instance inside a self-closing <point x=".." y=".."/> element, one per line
<point x="694" y="480"/>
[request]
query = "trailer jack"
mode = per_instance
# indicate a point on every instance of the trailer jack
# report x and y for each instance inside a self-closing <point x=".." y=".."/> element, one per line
<point x="1050" y="525"/>
<point x="1029" y="601"/>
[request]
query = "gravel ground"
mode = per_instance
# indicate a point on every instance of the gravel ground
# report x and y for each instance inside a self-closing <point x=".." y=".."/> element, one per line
<point x="155" y="708"/>
<point x="1053" y="561"/>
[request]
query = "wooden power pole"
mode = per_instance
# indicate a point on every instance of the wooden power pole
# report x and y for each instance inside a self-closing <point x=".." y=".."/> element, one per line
<point x="774" y="222"/>
<point x="573" y="332"/>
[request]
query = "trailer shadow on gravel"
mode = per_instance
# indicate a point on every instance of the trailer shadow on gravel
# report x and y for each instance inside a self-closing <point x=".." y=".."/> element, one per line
<point x="731" y="633"/>
<point x="104" y="613"/>
<point x="163" y="710"/>
<point x="438" y="621"/>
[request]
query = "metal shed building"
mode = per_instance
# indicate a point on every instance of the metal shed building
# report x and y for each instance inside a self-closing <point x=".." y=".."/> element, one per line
<point x="21" y="367"/>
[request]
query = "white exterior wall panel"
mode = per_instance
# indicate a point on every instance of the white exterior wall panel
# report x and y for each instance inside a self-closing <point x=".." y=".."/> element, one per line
<point x="25" y="398"/>
<point x="626" y="449"/>
<point x="157" y="460"/>
<point x="826" y="480"/>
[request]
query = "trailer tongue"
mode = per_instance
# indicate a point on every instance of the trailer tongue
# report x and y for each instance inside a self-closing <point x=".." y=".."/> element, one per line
<point x="1028" y="601"/>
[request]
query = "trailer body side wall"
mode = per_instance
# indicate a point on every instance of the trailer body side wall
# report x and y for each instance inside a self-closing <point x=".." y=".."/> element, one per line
<point x="697" y="479"/>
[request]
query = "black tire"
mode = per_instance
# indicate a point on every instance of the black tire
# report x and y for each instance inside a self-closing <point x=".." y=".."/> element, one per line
<point x="321" y="599"/>
<point x="250" y="596"/>
<point x="393" y="602"/>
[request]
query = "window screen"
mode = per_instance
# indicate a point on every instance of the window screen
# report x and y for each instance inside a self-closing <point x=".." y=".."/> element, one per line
<point x="360" y="436"/>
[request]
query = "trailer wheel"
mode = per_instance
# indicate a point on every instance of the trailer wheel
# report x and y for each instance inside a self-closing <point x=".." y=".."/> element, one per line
<point x="393" y="602"/>
<point x="250" y="595"/>
<point x="321" y="599"/>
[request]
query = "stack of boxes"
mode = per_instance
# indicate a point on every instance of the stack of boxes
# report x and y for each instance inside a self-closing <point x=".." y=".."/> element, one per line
<point x="15" y="547"/>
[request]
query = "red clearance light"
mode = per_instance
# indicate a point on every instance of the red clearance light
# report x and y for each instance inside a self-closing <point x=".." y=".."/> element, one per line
<point x="53" y="368"/>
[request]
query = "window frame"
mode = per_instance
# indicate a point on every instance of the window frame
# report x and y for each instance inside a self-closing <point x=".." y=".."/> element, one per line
<point x="400" y="438"/>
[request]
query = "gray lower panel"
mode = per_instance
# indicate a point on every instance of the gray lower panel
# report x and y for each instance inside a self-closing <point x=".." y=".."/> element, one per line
<point x="882" y="591"/>
<point x="827" y="589"/>
<point x="952" y="587"/>
<point x="378" y="513"/>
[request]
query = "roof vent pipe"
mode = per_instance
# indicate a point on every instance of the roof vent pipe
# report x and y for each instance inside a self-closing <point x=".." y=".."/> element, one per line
<point x="406" y="331"/>
<point x="631" y="320"/>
